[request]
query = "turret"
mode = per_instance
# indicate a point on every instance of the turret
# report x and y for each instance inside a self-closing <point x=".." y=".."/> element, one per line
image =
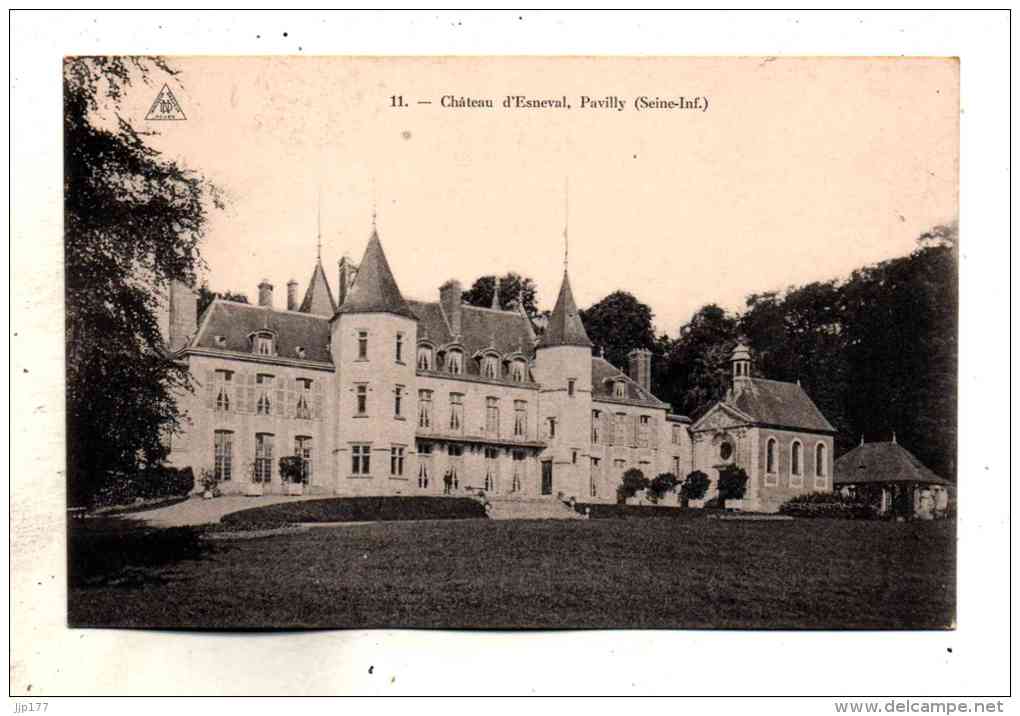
<point x="741" y="360"/>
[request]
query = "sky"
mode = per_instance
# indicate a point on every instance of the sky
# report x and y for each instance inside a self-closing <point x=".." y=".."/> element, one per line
<point x="800" y="170"/>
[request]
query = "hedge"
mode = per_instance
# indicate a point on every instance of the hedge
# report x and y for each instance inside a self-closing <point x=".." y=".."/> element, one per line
<point x="153" y="483"/>
<point x="820" y="504"/>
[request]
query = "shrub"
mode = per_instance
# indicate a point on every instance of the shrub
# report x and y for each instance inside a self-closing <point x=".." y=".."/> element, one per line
<point x="694" y="487"/>
<point x="827" y="504"/>
<point x="150" y="484"/>
<point x="732" y="483"/>
<point x="633" y="481"/>
<point x="208" y="479"/>
<point x="664" y="482"/>
<point x="292" y="469"/>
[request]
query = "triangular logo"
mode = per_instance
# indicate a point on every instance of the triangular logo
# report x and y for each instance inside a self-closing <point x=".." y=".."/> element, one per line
<point x="165" y="107"/>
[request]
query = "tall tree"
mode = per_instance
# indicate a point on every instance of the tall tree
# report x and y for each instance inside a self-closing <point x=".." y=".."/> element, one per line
<point x="512" y="287"/>
<point x="133" y="222"/>
<point x="696" y="369"/>
<point x="206" y="296"/>
<point x="618" y="324"/>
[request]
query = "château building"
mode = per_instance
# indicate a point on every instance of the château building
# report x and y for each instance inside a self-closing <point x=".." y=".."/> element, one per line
<point x="381" y="395"/>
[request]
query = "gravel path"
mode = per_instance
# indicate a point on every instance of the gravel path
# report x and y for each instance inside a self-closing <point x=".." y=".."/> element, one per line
<point x="197" y="511"/>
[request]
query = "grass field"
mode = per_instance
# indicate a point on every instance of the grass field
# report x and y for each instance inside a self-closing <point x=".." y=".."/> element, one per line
<point x="545" y="574"/>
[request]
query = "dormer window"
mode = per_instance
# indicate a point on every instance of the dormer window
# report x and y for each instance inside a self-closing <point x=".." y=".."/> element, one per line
<point x="455" y="362"/>
<point x="262" y="344"/>
<point x="490" y="366"/>
<point x="425" y="358"/>
<point x="518" y="371"/>
<point x="619" y="389"/>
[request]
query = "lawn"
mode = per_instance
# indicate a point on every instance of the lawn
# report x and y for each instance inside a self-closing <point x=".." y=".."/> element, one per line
<point x="646" y="573"/>
<point x="359" y="509"/>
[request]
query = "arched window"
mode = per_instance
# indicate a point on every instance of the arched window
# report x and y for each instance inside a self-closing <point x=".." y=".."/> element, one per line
<point x="820" y="460"/>
<point x="455" y="362"/>
<point x="620" y="389"/>
<point x="770" y="455"/>
<point x="425" y="358"/>
<point x="518" y="370"/>
<point x="262" y="343"/>
<point x="490" y="366"/>
<point x="796" y="464"/>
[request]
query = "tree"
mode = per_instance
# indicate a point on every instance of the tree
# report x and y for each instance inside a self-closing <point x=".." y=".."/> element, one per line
<point x="133" y="223"/>
<point x="512" y="287"/>
<point x="696" y="373"/>
<point x="207" y="296"/>
<point x="633" y="482"/>
<point x="664" y="482"/>
<point x="732" y="483"/>
<point x="618" y="324"/>
<point x="694" y="487"/>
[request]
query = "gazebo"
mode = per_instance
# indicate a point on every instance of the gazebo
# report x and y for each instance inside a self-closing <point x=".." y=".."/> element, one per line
<point x="889" y="477"/>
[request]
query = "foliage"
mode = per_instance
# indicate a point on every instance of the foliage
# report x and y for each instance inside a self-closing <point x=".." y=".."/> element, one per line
<point x="149" y="484"/>
<point x="207" y="478"/>
<point x="207" y="296"/>
<point x="292" y="469"/>
<point x="732" y="483"/>
<point x="133" y="221"/>
<point x="662" y="483"/>
<point x="618" y="324"/>
<point x="695" y="486"/>
<point x="512" y="287"/>
<point x="828" y="504"/>
<point x="633" y="482"/>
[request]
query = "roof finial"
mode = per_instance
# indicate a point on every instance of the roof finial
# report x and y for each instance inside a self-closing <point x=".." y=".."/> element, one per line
<point x="894" y="437"/>
<point x="374" y="205"/>
<point x="495" y="295"/>
<point x="862" y="438"/>
<point x="318" y="229"/>
<point x="566" y="222"/>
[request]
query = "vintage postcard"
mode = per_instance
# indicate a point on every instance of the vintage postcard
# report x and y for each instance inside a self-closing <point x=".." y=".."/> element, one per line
<point x="511" y="343"/>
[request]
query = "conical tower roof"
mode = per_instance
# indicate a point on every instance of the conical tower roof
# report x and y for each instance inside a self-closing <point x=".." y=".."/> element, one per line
<point x="318" y="297"/>
<point x="565" y="327"/>
<point x="375" y="290"/>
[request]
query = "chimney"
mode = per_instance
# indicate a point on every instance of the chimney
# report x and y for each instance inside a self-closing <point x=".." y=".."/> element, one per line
<point x="266" y="293"/>
<point x="741" y="360"/>
<point x="182" y="307"/>
<point x="292" y="304"/>
<point x="495" y="295"/>
<point x="450" y="300"/>
<point x="640" y="367"/>
<point x="346" y="273"/>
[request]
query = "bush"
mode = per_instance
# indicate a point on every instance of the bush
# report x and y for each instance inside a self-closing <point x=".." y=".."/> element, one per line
<point x="827" y="504"/>
<point x="151" y="484"/>
<point x="633" y="481"/>
<point x="732" y="483"/>
<point x="664" y="482"/>
<point x="695" y="486"/>
<point x="292" y="469"/>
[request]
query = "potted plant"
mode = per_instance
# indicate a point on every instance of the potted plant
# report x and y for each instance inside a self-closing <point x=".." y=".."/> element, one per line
<point x="732" y="486"/>
<point x="210" y="485"/>
<point x="694" y="487"/>
<point x="292" y="473"/>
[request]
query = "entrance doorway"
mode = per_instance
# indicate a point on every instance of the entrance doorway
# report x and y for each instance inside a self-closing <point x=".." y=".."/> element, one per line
<point x="547" y="477"/>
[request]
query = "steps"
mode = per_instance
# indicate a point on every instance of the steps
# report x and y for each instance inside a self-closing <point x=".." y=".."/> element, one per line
<point x="530" y="508"/>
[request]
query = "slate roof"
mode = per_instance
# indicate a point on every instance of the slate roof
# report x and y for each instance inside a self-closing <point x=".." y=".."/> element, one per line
<point x="773" y="402"/>
<point x="237" y="321"/>
<point x="602" y="389"/>
<point x="565" y="327"/>
<point x="882" y="462"/>
<point x="318" y="297"/>
<point x="375" y="290"/>
<point x="507" y="331"/>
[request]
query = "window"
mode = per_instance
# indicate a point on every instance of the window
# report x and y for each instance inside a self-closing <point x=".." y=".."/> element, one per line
<point x="263" y="457"/>
<point x="451" y="480"/>
<point x="594" y="479"/>
<point x="573" y="456"/>
<point x="518" y="471"/>
<point x="397" y="461"/>
<point x="644" y="428"/>
<point x="223" y="379"/>
<point x="520" y="418"/>
<point x="677" y="435"/>
<point x="821" y="460"/>
<point x="223" y="455"/>
<point x="399" y="348"/>
<point x="619" y="464"/>
<point x="398" y="398"/>
<point x="621" y="429"/>
<point x="725" y="451"/>
<point x="796" y="464"/>
<point x="424" y="408"/>
<point x="676" y="466"/>
<point x="303" y="450"/>
<point x="424" y="358"/>
<point x="424" y="469"/>
<point x="361" y="396"/>
<point x="362" y="345"/>
<point x="517" y="371"/>
<point x="620" y="389"/>
<point x="264" y="404"/>
<point x="771" y="457"/>
<point x="262" y="344"/>
<point x="596" y="426"/>
<point x="550" y="427"/>
<point x="491" y="468"/>
<point x="455" y="362"/>
<point x="492" y="416"/>
<point x="570" y="386"/>
<point x="456" y="412"/>
<point x="361" y="459"/>
<point x="302" y="409"/>
<point x="490" y="366"/>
